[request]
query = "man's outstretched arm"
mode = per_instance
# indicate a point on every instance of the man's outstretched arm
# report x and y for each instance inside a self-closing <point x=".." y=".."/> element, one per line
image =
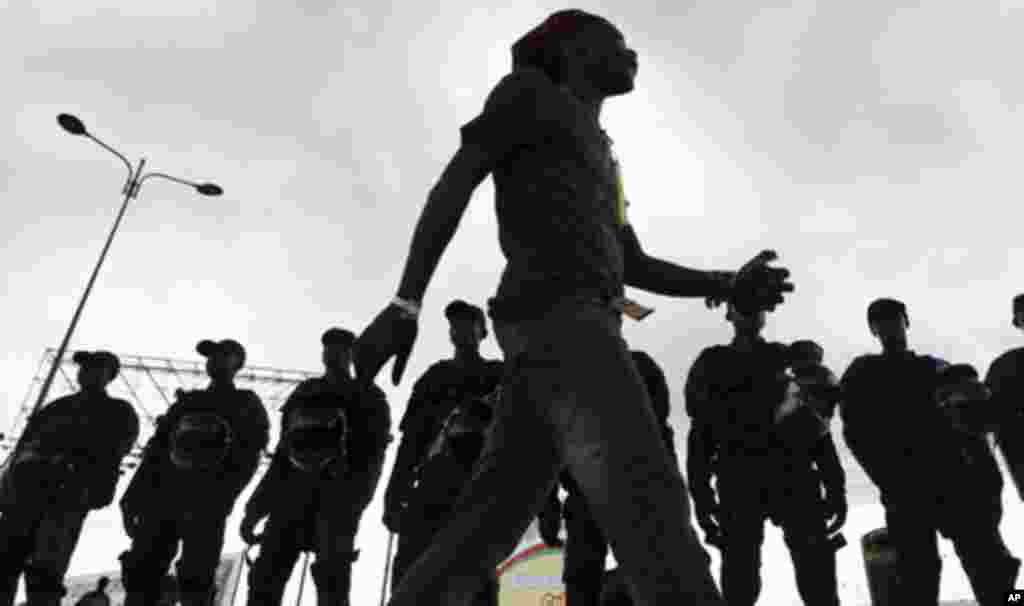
<point x="665" y="278"/>
<point x="440" y="217"/>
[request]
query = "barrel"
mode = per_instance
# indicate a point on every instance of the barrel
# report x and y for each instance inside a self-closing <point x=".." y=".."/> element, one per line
<point x="880" y="566"/>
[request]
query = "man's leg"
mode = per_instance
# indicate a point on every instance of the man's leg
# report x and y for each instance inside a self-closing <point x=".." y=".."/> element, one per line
<point x="614" y="450"/>
<point x="17" y="530"/>
<point x="55" y="542"/>
<point x="802" y="516"/>
<point x="336" y="525"/>
<point x="913" y="534"/>
<point x="496" y="506"/>
<point x="743" y="529"/>
<point x="269" y="574"/>
<point x="973" y="527"/>
<point x="412" y="543"/>
<point x="814" y="561"/>
<point x="585" y="553"/>
<point x="202" y="540"/>
<point x="145" y="564"/>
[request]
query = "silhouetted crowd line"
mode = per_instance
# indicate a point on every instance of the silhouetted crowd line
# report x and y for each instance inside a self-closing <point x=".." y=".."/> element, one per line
<point x="760" y="448"/>
<point x="488" y="445"/>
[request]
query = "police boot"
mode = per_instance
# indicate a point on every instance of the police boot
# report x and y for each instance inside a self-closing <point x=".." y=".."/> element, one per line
<point x="333" y="579"/>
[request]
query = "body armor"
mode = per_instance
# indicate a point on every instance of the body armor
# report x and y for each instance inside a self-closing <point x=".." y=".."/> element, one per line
<point x="200" y="442"/>
<point x="316" y="438"/>
<point x="801" y="419"/>
<point x="965" y="401"/>
<point x="37" y="476"/>
<point x="466" y="428"/>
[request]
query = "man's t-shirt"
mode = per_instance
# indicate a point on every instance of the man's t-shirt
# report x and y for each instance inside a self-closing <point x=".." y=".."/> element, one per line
<point x="558" y="196"/>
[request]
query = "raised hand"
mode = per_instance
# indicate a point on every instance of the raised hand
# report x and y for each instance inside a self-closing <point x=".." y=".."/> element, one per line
<point x="758" y="287"/>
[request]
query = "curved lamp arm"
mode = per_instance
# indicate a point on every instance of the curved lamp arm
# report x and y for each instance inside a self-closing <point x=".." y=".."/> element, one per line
<point x="207" y="189"/>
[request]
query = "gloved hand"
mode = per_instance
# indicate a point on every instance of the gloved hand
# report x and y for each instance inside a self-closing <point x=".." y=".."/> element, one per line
<point x="549" y="523"/>
<point x="758" y="287"/>
<point x="836" y="508"/>
<point x="248" y="529"/>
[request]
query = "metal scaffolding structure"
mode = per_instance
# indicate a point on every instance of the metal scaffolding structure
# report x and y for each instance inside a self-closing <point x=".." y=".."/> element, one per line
<point x="149" y="383"/>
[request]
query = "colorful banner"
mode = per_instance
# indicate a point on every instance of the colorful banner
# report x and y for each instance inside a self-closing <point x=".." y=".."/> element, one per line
<point x="532" y="577"/>
<point x="82" y="588"/>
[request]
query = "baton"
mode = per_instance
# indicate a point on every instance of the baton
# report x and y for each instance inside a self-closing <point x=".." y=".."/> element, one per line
<point x="387" y="568"/>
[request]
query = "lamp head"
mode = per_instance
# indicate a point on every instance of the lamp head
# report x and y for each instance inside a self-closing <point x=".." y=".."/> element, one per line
<point x="71" y="124"/>
<point x="209" y="189"/>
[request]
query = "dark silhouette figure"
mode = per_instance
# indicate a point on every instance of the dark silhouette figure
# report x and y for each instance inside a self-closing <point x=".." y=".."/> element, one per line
<point x="932" y="476"/>
<point x="205" y="451"/>
<point x="768" y="462"/>
<point x="324" y="472"/>
<point x="586" y="548"/>
<point x="1005" y="379"/>
<point x="571" y="396"/>
<point x="66" y="464"/>
<point x="445" y="385"/>
<point x="438" y="481"/>
<point x="98" y="596"/>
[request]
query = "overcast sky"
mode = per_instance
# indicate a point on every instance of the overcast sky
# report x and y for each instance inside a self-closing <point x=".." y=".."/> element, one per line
<point x="873" y="144"/>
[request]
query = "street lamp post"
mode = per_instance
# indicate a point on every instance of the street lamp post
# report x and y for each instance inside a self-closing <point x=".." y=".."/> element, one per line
<point x="74" y="126"/>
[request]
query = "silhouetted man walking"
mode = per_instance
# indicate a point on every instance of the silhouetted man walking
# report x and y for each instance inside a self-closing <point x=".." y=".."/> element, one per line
<point x="572" y="396"/>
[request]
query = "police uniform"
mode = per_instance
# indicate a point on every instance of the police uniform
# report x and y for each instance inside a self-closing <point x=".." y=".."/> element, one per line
<point x="319" y="509"/>
<point x="1005" y="379"/>
<point x="733" y="397"/>
<point x="437" y="484"/>
<point x="931" y="477"/>
<point x="67" y="463"/>
<point x="174" y="498"/>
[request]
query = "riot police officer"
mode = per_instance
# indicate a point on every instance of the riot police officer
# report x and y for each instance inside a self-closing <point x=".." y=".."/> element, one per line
<point x="586" y="548"/>
<point x="438" y="482"/>
<point x="324" y="472"/>
<point x="205" y="451"/>
<point x="66" y="464"/>
<point x="930" y="475"/>
<point x="1005" y="379"/>
<point x="442" y="387"/>
<point x="771" y="456"/>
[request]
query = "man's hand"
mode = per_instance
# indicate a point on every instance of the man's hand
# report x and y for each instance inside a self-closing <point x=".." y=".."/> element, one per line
<point x="757" y="287"/>
<point x="392" y="333"/>
<point x="836" y="509"/>
<point x="248" y="530"/>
